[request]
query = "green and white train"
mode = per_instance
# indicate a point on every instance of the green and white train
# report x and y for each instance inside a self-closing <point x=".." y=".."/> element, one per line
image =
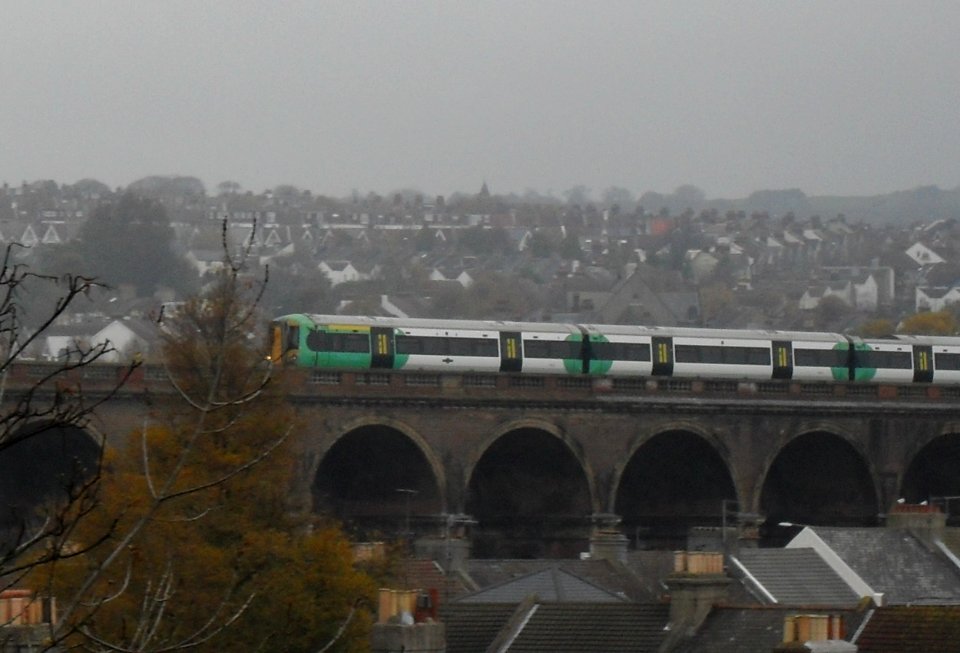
<point x="371" y="343"/>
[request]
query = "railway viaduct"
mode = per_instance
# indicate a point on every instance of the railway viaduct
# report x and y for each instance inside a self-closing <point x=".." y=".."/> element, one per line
<point x="535" y="462"/>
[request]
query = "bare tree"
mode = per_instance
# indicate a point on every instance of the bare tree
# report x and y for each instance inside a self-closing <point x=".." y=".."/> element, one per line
<point x="50" y="403"/>
<point x="116" y="553"/>
<point x="216" y="375"/>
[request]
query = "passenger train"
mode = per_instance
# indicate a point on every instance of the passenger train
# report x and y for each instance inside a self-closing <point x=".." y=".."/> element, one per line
<point x="371" y="343"/>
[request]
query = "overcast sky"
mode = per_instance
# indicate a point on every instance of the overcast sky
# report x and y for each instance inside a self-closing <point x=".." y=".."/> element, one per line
<point x="830" y="97"/>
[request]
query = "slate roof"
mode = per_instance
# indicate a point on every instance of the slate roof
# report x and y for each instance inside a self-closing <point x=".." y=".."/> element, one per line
<point x="796" y="577"/>
<point x="416" y="573"/>
<point x="895" y="563"/>
<point x="752" y="629"/>
<point x="601" y="573"/>
<point x="549" y="585"/>
<point x="599" y="628"/>
<point x="556" y="627"/>
<point x="911" y="629"/>
<point x="472" y="627"/>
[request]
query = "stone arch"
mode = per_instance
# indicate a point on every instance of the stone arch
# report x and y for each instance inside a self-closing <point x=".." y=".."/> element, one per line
<point x="819" y="475"/>
<point x="540" y="425"/>
<point x="380" y="477"/>
<point x="531" y="492"/>
<point x="47" y="462"/>
<point x="933" y="470"/>
<point x="658" y="502"/>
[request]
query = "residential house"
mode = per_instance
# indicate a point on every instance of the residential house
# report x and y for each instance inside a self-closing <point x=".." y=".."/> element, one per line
<point x="339" y="272"/>
<point x="905" y="563"/>
<point x="935" y="299"/>
<point x="635" y="301"/>
<point x="128" y="338"/>
<point x="923" y="254"/>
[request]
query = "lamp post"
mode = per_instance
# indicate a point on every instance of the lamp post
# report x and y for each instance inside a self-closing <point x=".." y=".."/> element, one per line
<point x="408" y="493"/>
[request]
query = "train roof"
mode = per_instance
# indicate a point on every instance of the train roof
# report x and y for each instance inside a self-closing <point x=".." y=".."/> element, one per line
<point x="919" y="340"/>
<point x="690" y="332"/>
<point x="423" y="323"/>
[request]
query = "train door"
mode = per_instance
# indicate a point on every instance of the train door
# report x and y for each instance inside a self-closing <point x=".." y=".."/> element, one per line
<point x="662" y="356"/>
<point x="511" y="353"/>
<point x="381" y="348"/>
<point x="782" y="359"/>
<point x="922" y="363"/>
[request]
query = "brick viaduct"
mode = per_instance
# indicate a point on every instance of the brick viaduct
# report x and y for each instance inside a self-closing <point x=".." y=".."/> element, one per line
<point x="397" y="445"/>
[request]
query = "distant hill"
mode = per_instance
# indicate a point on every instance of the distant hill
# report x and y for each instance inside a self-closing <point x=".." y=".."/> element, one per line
<point x="923" y="203"/>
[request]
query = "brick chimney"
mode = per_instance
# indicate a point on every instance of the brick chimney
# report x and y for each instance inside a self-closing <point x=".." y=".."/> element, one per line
<point x="926" y="522"/>
<point x="816" y="633"/>
<point x="397" y="628"/>
<point x="606" y="540"/>
<point x="697" y="584"/>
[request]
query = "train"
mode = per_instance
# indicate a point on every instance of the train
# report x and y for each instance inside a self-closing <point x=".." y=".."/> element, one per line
<point x="388" y="343"/>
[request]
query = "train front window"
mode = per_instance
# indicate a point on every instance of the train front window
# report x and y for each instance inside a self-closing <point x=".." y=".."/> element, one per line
<point x="292" y="340"/>
<point x="351" y="343"/>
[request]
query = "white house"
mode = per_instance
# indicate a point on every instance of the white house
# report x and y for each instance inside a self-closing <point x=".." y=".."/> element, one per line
<point x="935" y="299"/>
<point x="127" y="337"/>
<point x="866" y="293"/>
<point x="923" y="255"/>
<point x="339" y="271"/>
<point x="813" y="295"/>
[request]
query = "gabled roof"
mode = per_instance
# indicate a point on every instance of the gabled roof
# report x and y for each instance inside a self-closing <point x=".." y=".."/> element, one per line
<point x="556" y="627"/>
<point x="562" y="627"/>
<point x="605" y="574"/>
<point x="471" y="627"/>
<point x="549" y="585"/>
<point x="417" y="573"/>
<point x="794" y="577"/>
<point x="893" y="562"/>
<point x="911" y="629"/>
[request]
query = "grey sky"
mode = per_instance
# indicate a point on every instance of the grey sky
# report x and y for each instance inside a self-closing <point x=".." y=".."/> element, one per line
<point x="831" y="97"/>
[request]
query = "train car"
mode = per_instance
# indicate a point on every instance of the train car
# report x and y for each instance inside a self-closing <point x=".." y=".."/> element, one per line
<point x="887" y="360"/>
<point x="811" y="356"/>
<point x="936" y="359"/>
<point x="356" y="342"/>
<point x="548" y="349"/>
<point x="348" y="342"/>
<point x="718" y="353"/>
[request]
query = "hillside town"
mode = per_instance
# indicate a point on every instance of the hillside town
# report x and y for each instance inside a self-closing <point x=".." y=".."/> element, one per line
<point x="623" y="260"/>
<point x="665" y="260"/>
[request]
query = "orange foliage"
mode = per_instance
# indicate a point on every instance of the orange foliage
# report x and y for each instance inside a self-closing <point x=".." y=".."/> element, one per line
<point x="223" y="533"/>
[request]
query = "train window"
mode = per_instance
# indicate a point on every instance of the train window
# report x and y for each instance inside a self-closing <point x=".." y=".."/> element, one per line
<point x="820" y="357"/>
<point x="947" y="361"/>
<point x="898" y="360"/>
<point x="421" y="345"/>
<point x="439" y="346"/>
<point x="717" y="355"/>
<point x="551" y="349"/>
<point x="620" y="351"/>
<point x="293" y="338"/>
<point x="353" y="343"/>
<point x="474" y="347"/>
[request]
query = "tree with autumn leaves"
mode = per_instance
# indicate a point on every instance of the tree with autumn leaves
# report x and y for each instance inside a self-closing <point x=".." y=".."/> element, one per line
<point x="191" y="542"/>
